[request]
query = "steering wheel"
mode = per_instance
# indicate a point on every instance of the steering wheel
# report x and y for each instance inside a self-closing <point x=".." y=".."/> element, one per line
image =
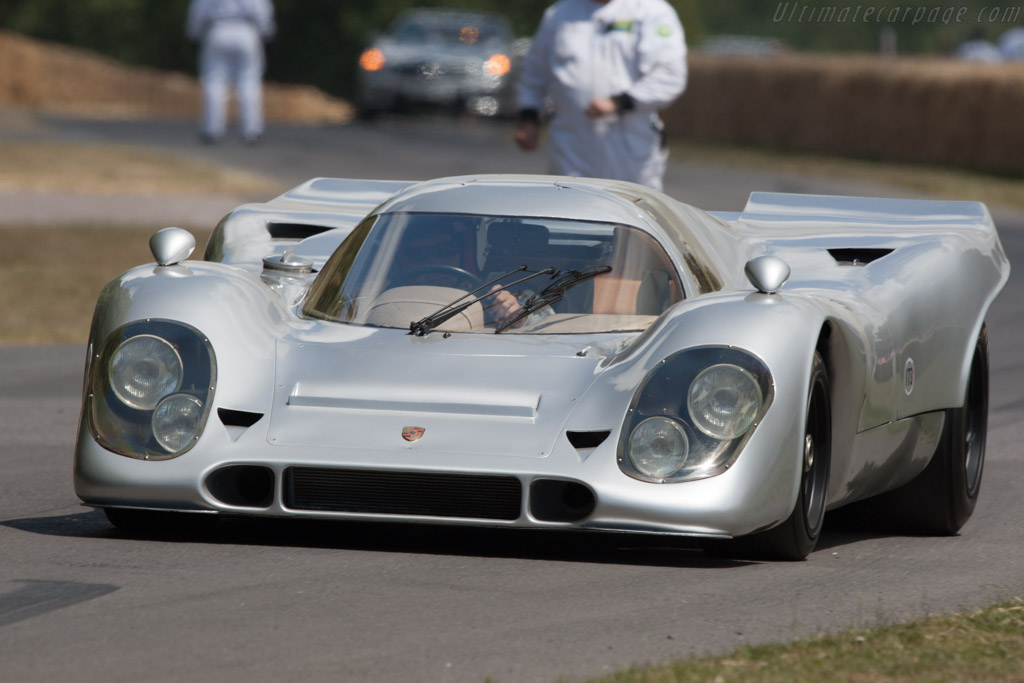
<point x="463" y="278"/>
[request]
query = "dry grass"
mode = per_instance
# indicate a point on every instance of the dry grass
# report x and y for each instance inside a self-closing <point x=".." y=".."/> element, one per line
<point x="116" y="169"/>
<point x="48" y="77"/>
<point x="53" y="276"/>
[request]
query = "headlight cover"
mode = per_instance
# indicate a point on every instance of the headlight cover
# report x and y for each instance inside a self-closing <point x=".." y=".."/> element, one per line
<point x="176" y="422"/>
<point x="144" y="369"/>
<point x="723" y="401"/>
<point x="710" y="398"/>
<point x="658" y="447"/>
<point x="150" y="389"/>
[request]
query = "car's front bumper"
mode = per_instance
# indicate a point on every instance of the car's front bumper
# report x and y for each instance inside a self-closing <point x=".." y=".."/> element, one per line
<point x="569" y="488"/>
<point x="386" y="88"/>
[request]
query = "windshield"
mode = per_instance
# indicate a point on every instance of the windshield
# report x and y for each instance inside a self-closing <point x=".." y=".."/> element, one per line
<point x="569" y="276"/>
<point x="454" y="31"/>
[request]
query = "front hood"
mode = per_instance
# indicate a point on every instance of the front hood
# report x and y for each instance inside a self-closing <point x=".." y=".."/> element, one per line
<point x="471" y="394"/>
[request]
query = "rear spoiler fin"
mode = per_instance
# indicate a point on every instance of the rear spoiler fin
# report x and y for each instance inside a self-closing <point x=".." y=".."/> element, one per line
<point x="778" y="206"/>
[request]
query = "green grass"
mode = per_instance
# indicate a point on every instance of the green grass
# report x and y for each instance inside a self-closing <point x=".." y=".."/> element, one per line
<point x="984" y="645"/>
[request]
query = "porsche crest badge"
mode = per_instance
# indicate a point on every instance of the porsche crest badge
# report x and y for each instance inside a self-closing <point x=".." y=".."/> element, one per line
<point x="412" y="433"/>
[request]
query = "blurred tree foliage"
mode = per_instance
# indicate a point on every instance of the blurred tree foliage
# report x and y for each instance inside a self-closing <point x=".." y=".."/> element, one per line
<point x="319" y="41"/>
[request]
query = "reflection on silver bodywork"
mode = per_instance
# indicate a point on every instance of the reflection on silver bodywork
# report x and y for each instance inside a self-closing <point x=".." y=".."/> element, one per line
<point x="542" y="407"/>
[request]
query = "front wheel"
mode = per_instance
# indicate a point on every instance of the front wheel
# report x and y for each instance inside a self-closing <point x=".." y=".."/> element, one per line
<point x="794" y="538"/>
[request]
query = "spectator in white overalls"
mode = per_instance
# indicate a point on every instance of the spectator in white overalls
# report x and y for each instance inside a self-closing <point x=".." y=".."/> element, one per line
<point x="231" y="34"/>
<point x="1011" y="44"/>
<point x="607" y="67"/>
<point x="979" y="49"/>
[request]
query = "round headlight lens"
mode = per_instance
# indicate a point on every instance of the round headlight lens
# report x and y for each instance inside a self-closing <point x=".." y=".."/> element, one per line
<point x="724" y="400"/>
<point x="143" y="370"/>
<point x="176" y="421"/>
<point x="658" y="447"/>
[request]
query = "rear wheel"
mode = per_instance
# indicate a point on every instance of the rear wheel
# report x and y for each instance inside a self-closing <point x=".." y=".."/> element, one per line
<point x="941" y="499"/>
<point x="796" y="537"/>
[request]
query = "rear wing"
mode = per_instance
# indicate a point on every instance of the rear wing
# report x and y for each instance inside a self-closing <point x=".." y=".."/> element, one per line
<point x="341" y="194"/>
<point x="774" y="207"/>
<point x="311" y="219"/>
<point x="848" y="229"/>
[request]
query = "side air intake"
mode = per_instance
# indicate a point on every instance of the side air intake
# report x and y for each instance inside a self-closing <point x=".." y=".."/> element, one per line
<point x="294" y="231"/>
<point x="858" y="256"/>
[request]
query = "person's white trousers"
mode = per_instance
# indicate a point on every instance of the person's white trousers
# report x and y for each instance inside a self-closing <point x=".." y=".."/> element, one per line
<point x="232" y="56"/>
<point x="627" y="147"/>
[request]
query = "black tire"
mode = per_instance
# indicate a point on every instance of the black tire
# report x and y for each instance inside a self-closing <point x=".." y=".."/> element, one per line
<point x="159" y="522"/>
<point x="940" y="500"/>
<point x="796" y="537"/>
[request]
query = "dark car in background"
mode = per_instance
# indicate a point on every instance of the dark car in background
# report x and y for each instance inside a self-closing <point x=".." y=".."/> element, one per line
<point x="461" y="60"/>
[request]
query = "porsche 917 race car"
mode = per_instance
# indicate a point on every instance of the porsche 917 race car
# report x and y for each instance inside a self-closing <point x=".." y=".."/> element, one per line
<point x="549" y="352"/>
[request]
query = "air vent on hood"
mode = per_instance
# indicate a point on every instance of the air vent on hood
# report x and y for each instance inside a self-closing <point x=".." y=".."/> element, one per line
<point x="858" y="256"/>
<point x="587" y="439"/>
<point x="238" y="418"/>
<point x="294" y="231"/>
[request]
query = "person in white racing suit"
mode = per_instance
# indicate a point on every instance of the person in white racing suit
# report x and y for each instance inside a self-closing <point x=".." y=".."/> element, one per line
<point x="607" y="67"/>
<point x="231" y="34"/>
<point x="1011" y="44"/>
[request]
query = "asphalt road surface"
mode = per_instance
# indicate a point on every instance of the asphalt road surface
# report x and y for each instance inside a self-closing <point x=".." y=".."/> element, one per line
<point x="277" y="601"/>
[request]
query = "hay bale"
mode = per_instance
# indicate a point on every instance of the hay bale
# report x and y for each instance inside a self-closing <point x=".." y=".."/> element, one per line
<point x="49" y="77"/>
<point x="917" y="110"/>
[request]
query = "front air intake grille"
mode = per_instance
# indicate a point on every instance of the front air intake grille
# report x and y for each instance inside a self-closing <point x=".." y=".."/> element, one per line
<point x="426" y="494"/>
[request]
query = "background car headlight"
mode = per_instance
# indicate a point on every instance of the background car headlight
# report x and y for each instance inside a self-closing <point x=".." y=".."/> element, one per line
<point x="143" y="370"/>
<point x="176" y="421"/>
<point x="658" y="447"/>
<point x="372" y="60"/>
<point x="150" y="389"/>
<point x="498" y="65"/>
<point x="693" y="413"/>
<point x="723" y="401"/>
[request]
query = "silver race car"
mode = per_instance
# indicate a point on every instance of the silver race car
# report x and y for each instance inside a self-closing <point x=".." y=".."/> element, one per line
<point x="548" y="352"/>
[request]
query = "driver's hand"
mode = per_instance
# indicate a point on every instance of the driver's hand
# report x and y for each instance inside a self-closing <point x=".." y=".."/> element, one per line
<point x="503" y="303"/>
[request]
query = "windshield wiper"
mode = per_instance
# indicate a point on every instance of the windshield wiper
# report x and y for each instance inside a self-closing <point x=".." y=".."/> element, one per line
<point x="552" y="292"/>
<point x="449" y="311"/>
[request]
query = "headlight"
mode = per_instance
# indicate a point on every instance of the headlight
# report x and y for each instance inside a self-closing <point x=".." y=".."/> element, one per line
<point x="143" y="370"/>
<point x="372" y="60"/>
<point x="497" y="65"/>
<point x="723" y="401"/>
<point x="176" y="421"/>
<point x="658" y="447"/>
<point x="150" y="388"/>
<point x="693" y="413"/>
